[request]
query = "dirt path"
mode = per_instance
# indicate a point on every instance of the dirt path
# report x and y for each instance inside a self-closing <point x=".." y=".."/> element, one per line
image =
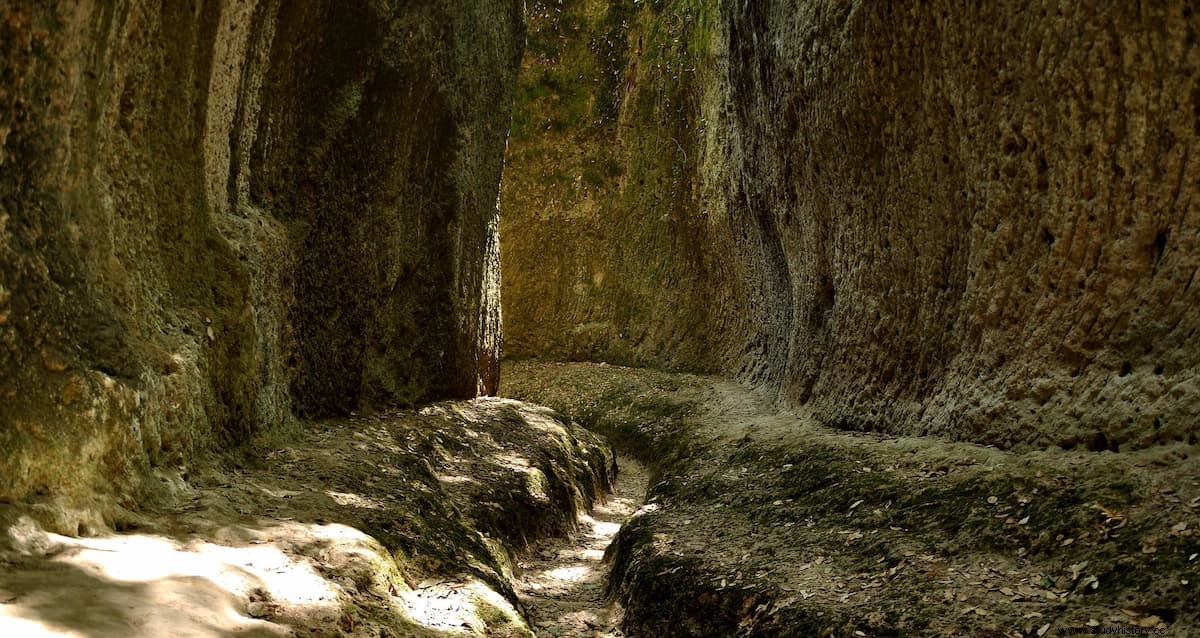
<point x="769" y="522"/>
<point x="562" y="583"/>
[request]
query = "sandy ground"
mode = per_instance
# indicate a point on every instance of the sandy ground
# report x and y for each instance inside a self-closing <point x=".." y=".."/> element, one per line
<point x="562" y="583"/>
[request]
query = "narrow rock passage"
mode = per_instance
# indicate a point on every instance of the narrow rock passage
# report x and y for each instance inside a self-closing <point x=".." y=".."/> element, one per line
<point x="562" y="583"/>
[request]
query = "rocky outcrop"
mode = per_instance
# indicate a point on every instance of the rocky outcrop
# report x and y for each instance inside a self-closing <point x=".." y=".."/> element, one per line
<point x="975" y="223"/>
<point x="215" y="216"/>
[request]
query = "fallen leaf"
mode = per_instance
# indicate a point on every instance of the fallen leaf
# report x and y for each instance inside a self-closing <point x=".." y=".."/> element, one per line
<point x="1043" y="629"/>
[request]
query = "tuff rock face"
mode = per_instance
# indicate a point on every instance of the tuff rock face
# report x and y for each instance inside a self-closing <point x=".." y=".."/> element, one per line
<point x="215" y="216"/>
<point x="971" y="222"/>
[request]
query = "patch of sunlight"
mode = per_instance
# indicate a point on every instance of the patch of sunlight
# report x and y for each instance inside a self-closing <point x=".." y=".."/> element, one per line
<point x="455" y="605"/>
<point x="572" y="574"/>
<point x="513" y="462"/>
<point x="432" y="410"/>
<point x="139" y="558"/>
<point x="592" y="554"/>
<point x="544" y="422"/>
<point x="144" y="585"/>
<point x="354" y="500"/>
<point x="535" y="480"/>
<point x="29" y="628"/>
<point x="446" y="478"/>
<point x="646" y="509"/>
<point x="606" y="530"/>
<point x="276" y="493"/>
<point x="538" y="485"/>
<point x="600" y="529"/>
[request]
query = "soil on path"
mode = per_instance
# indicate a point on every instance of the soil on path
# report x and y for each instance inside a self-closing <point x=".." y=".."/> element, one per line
<point x="561" y="584"/>
<point x="395" y="525"/>
<point x="763" y="521"/>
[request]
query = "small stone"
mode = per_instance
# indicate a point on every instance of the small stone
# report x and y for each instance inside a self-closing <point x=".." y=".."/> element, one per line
<point x="257" y="610"/>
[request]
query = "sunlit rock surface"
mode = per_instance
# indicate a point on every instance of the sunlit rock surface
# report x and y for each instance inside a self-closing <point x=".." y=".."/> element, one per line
<point x="406" y="523"/>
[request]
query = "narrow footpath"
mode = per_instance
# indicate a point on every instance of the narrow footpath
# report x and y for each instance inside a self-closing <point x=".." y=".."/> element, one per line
<point x="561" y="584"/>
<point x="768" y="522"/>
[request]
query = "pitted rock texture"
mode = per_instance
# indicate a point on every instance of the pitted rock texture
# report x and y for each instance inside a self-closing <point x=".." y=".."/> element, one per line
<point x="970" y="222"/>
<point x="215" y="216"/>
<point x="607" y="252"/>
<point x="987" y="215"/>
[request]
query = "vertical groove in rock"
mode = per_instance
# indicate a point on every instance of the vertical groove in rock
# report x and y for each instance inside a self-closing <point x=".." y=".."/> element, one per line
<point x="213" y="217"/>
<point x="970" y="222"/>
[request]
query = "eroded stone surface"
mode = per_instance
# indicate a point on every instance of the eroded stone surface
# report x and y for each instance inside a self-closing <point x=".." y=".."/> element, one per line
<point x="216" y="215"/>
<point x="972" y="222"/>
